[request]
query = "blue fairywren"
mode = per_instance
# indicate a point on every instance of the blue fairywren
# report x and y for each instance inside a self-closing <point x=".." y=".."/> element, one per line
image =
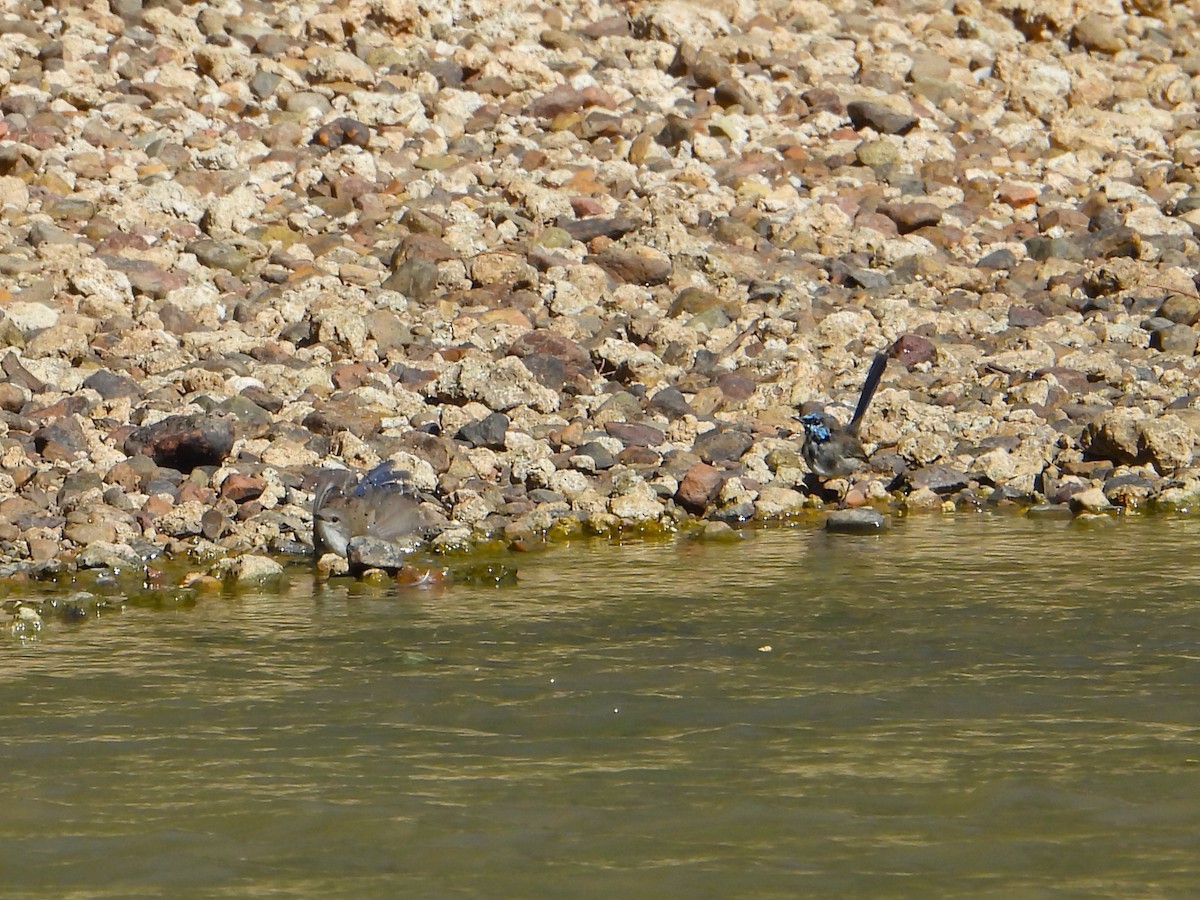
<point x="381" y="504"/>
<point x="834" y="451"/>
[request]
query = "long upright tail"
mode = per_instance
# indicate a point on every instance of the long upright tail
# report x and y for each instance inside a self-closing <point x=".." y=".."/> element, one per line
<point x="874" y="374"/>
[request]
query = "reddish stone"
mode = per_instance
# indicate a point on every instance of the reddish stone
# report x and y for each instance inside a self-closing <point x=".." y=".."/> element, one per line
<point x="158" y="505"/>
<point x="1016" y="195"/>
<point x="699" y="486"/>
<point x="190" y="490"/>
<point x="240" y="488"/>
<point x="350" y="376"/>
<point x="586" y="206"/>
<point x="912" y="350"/>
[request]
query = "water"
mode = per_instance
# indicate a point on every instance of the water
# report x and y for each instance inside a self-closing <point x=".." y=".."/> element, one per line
<point x="976" y="706"/>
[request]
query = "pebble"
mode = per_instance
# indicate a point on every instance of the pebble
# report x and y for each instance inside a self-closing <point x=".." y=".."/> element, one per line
<point x="855" y="521"/>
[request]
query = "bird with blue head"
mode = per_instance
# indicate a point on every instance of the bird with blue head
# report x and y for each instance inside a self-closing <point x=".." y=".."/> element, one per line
<point x="832" y="450"/>
<point x="382" y="504"/>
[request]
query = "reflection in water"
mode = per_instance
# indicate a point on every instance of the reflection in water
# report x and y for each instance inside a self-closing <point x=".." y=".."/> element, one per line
<point x="988" y="706"/>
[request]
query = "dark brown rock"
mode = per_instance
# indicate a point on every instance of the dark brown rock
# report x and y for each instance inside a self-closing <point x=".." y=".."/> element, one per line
<point x="110" y="385"/>
<point x="911" y="216"/>
<point x="884" y="119"/>
<point x="633" y="267"/>
<point x="12" y="398"/>
<point x="18" y="374"/>
<point x="585" y="230"/>
<point x="911" y="350"/>
<point x="1025" y="317"/>
<point x="938" y="478"/>
<point x="633" y="434"/>
<point x="735" y="386"/>
<point x="184" y="442"/>
<point x="544" y="341"/>
<point x="719" y="445"/>
<point x="670" y="402"/>
<point x="62" y="439"/>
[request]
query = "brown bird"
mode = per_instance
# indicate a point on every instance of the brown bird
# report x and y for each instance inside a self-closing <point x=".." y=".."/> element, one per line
<point x="381" y="504"/>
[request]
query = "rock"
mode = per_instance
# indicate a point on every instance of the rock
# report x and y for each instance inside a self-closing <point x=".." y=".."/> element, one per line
<point x="248" y="568"/>
<point x="1128" y="436"/>
<point x="922" y="500"/>
<point x="721" y="532"/>
<point x="600" y="456"/>
<point x="639" y="503"/>
<point x="1049" y="511"/>
<point x="500" y="385"/>
<point x="365" y="552"/>
<point x="631" y="434"/>
<point x="184" y="442"/>
<point x="240" y="488"/>
<point x="110" y="385"/>
<point x="486" y="432"/>
<point x="670" y="402"/>
<point x="109" y="555"/>
<point x="1181" y="309"/>
<point x="61" y="440"/>
<point x="1099" y="33"/>
<point x="940" y="479"/>
<point x="774" y="502"/>
<point x="1089" y="501"/>
<point x="1024" y="317"/>
<point x="1167" y="443"/>
<point x="719" y="445"/>
<point x="865" y="114"/>
<point x="641" y="266"/>
<point x="912" y="350"/>
<point x="1175" y="339"/>
<point x="699" y="487"/>
<point x="855" y="521"/>
<point x="911" y="216"/>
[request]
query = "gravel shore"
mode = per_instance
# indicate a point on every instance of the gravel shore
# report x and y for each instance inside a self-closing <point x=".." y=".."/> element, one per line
<point x="577" y="266"/>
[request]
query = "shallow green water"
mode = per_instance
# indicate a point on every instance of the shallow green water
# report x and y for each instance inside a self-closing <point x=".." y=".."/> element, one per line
<point x="975" y="706"/>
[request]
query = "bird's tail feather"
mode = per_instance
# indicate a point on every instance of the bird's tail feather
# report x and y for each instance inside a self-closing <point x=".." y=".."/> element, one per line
<point x="874" y="374"/>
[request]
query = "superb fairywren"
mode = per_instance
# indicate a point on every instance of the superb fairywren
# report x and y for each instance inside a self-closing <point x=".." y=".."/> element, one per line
<point x="381" y="504"/>
<point x="831" y="450"/>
